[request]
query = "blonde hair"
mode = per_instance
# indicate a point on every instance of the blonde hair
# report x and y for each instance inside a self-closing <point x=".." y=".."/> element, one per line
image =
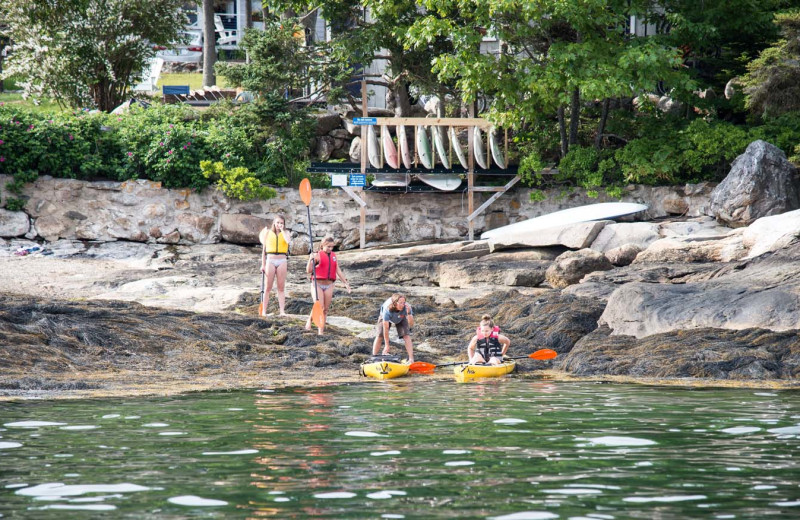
<point x="274" y="219"/>
<point x="487" y="320"/>
<point x="326" y="240"/>
<point x="396" y="297"/>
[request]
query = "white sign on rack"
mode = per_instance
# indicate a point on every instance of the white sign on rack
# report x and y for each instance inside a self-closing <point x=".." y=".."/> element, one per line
<point x="338" y="179"/>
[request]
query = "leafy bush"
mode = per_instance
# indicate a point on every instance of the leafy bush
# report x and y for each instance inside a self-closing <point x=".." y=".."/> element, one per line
<point x="580" y="166"/>
<point x="163" y="143"/>
<point x="238" y="182"/>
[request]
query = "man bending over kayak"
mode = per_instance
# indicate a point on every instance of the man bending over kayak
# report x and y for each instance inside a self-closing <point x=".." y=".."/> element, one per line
<point x="395" y="311"/>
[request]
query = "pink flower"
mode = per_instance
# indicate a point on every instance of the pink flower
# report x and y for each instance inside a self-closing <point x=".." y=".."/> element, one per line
<point x="1" y="141"/>
<point x="70" y="137"/>
<point x="161" y="143"/>
<point x="171" y="126"/>
<point x="130" y="154"/>
<point x="227" y="155"/>
<point x="189" y="143"/>
<point x="170" y="152"/>
<point x="184" y="146"/>
<point x="167" y="132"/>
<point x="167" y="160"/>
<point x="2" y="159"/>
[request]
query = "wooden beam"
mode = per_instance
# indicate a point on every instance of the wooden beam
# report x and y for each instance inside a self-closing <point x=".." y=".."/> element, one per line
<point x="353" y="195"/>
<point x="489" y="188"/>
<point x="492" y="199"/>
<point x="436" y="121"/>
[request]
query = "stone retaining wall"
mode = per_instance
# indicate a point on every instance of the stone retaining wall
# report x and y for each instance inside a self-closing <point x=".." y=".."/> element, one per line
<point x="143" y="211"/>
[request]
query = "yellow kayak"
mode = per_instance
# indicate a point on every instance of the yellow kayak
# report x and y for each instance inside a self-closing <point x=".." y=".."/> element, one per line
<point x="384" y="367"/>
<point x="466" y="373"/>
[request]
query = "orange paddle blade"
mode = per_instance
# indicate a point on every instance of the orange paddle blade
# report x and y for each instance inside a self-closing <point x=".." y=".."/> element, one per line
<point x="316" y="313"/>
<point x="305" y="191"/>
<point x="544" y="353"/>
<point x="421" y="367"/>
<point x="260" y="309"/>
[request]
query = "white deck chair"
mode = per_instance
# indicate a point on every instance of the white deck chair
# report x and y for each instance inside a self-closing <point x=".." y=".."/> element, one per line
<point x="150" y="76"/>
<point x="226" y="37"/>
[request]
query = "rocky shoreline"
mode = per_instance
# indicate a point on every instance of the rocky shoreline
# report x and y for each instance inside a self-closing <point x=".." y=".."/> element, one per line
<point x="705" y="301"/>
<point x="713" y="306"/>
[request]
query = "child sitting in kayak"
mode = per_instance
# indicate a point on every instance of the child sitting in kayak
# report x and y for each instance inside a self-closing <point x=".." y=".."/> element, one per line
<point x="487" y="345"/>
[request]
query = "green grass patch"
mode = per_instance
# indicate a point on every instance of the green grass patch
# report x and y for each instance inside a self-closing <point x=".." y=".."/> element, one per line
<point x="193" y="79"/>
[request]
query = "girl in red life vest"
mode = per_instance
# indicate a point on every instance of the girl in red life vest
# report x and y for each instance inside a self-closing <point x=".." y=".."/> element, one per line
<point x="326" y="269"/>
<point x="275" y="242"/>
<point x="487" y="344"/>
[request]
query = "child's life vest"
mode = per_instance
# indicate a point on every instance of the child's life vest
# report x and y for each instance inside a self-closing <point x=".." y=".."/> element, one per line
<point x="489" y="346"/>
<point x="326" y="269"/>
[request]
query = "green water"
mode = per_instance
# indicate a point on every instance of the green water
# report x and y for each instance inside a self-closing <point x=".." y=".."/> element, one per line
<point x="511" y="449"/>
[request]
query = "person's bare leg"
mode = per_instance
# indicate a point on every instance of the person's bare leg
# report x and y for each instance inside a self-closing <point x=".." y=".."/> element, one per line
<point x="409" y="348"/>
<point x="268" y="288"/>
<point x="376" y="345"/>
<point x="281" y="276"/>
<point x="327" y="296"/>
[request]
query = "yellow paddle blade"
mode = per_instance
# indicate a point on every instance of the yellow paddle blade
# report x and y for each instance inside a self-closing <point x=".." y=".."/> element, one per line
<point x="305" y="191"/>
<point x="316" y="313"/>
<point x="544" y="353"/>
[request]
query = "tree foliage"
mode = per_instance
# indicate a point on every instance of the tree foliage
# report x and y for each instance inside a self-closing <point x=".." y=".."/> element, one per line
<point x="364" y="30"/>
<point x="553" y="54"/>
<point x="772" y="82"/>
<point x="86" y="53"/>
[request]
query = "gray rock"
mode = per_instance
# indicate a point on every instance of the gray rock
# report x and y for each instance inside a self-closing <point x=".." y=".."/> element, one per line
<point x="764" y="293"/>
<point x="613" y="235"/>
<point x="623" y="255"/>
<point x="573" y="236"/>
<point x="241" y="229"/>
<point x="326" y="122"/>
<point x="14" y="223"/>
<point x="355" y="150"/>
<point x="570" y="267"/>
<point x="770" y="234"/>
<point x="761" y="182"/>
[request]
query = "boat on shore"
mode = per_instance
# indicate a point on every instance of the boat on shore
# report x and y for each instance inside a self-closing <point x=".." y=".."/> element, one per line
<point x="470" y="372"/>
<point x="384" y="367"/>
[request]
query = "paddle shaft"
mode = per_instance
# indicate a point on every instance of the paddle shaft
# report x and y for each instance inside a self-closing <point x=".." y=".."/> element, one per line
<point x="311" y="245"/>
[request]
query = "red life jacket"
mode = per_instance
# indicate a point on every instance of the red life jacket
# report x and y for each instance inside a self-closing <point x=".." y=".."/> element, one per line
<point x="326" y="269"/>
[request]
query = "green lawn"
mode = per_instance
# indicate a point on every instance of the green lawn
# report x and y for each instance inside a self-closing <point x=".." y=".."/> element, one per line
<point x="193" y="79"/>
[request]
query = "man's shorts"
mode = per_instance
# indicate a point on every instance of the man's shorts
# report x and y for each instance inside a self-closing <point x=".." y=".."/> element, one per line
<point x="403" y="329"/>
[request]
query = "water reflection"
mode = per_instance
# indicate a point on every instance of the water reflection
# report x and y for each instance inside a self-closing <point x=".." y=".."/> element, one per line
<point x="414" y="449"/>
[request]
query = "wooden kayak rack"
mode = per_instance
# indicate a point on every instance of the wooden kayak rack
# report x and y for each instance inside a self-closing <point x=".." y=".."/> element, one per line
<point x="469" y="123"/>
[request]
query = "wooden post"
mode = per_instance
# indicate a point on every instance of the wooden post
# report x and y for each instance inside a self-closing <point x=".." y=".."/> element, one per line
<point x="362" y="225"/>
<point x="471" y="173"/>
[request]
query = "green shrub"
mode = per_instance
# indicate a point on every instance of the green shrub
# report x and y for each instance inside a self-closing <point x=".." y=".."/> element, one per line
<point x="580" y="166"/>
<point x="238" y="183"/>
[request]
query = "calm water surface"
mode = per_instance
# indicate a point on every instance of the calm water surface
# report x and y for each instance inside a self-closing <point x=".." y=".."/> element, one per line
<point x="508" y="449"/>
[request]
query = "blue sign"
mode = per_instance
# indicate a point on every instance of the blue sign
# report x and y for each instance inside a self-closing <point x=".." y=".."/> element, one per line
<point x="358" y="179"/>
<point x="362" y="121"/>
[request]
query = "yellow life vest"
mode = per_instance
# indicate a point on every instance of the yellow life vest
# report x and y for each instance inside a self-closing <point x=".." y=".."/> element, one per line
<point x="276" y="244"/>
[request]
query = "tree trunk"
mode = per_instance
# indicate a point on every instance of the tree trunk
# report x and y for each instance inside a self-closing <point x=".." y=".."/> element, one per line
<point x="574" y="116"/>
<point x="598" y="139"/>
<point x="562" y="130"/>
<point x="402" y="106"/>
<point x="209" y="44"/>
<point x="248" y="14"/>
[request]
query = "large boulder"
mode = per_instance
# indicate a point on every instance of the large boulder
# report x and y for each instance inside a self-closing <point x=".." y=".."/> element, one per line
<point x="762" y="293"/>
<point x="14" y="223"/>
<point x="771" y="233"/>
<point x="241" y="229"/>
<point x="640" y="234"/>
<point x="571" y="266"/>
<point x="573" y="236"/>
<point x="761" y="182"/>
